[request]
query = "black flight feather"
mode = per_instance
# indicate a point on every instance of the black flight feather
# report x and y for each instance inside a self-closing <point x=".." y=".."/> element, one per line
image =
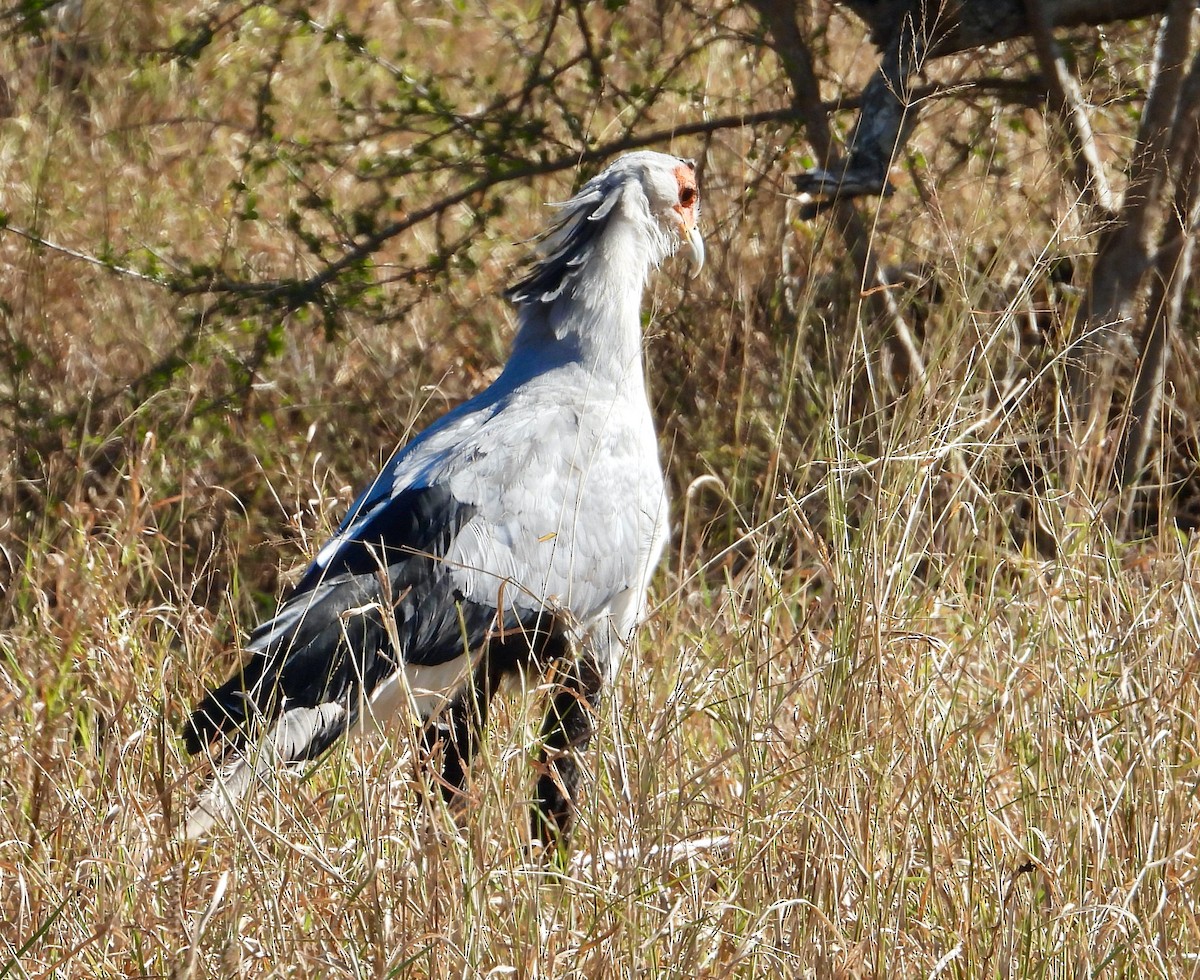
<point x="330" y="644"/>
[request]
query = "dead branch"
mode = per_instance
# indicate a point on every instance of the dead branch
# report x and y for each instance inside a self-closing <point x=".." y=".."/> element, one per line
<point x="1123" y="255"/>
<point x="1169" y="277"/>
<point x="908" y="33"/>
<point x="1066" y="100"/>
<point x="982" y="23"/>
<point x="778" y="17"/>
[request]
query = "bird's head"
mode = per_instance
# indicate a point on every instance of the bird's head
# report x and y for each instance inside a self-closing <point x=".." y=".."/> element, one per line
<point x="656" y="191"/>
<point x="672" y="196"/>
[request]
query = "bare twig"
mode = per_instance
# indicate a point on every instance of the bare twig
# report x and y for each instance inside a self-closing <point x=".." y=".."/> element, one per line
<point x="121" y="270"/>
<point x="778" y="17"/>
<point x="1066" y="99"/>
<point x="1124" y="251"/>
<point x="1170" y="274"/>
<point x="1002" y="88"/>
<point x="301" y="291"/>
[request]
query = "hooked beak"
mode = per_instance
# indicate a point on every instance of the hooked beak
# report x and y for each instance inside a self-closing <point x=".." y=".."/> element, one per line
<point x="695" y="244"/>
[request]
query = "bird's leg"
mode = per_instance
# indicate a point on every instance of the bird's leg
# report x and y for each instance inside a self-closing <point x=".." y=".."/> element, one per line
<point x="566" y="731"/>
<point x="456" y="734"/>
<point x="460" y="732"/>
<point x="468" y="718"/>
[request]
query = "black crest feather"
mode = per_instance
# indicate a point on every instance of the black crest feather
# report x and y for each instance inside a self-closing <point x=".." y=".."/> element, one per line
<point x="565" y="249"/>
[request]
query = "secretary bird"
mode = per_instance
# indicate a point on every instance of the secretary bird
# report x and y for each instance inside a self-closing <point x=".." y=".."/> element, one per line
<point x="518" y="531"/>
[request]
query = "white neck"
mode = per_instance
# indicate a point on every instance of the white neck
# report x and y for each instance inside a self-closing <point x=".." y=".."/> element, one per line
<point x="596" y="321"/>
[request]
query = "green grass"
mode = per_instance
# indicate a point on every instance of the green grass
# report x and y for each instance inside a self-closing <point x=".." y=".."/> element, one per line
<point x="896" y="712"/>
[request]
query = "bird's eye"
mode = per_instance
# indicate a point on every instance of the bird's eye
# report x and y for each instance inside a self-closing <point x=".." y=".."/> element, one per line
<point x="687" y="196"/>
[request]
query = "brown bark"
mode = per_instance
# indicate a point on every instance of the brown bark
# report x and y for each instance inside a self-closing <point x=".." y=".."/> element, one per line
<point x="979" y="23"/>
<point x="1123" y="254"/>
<point x="910" y="32"/>
<point x="778" y="17"/>
<point x="1170" y="274"/>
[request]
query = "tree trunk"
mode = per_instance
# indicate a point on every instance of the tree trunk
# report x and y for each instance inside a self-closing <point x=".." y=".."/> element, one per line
<point x="1123" y="254"/>
<point x="778" y="17"/>
<point x="910" y="32"/>
<point x="1171" y="272"/>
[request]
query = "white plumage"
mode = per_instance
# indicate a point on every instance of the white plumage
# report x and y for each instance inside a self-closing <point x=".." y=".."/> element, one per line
<point x="521" y="528"/>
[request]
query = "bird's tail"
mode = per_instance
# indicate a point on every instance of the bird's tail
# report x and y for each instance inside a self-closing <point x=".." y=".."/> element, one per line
<point x="291" y="738"/>
<point x="302" y="688"/>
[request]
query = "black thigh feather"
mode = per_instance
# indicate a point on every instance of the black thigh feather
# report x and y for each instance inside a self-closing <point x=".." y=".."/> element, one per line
<point x="384" y="598"/>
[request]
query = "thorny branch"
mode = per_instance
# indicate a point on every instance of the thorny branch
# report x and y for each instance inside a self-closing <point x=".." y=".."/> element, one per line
<point x="779" y="20"/>
<point x="300" y="291"/>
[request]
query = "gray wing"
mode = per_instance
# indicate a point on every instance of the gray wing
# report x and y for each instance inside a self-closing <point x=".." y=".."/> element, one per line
<point x="569" y="507"/>
<point x="532" y="506"/>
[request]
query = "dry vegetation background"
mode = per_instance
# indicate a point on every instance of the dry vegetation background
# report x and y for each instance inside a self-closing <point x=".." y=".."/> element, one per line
<point x="907" y="705"/>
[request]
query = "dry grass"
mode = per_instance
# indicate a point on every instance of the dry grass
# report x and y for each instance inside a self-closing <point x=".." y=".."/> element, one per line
<point x="875" y="726"/>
